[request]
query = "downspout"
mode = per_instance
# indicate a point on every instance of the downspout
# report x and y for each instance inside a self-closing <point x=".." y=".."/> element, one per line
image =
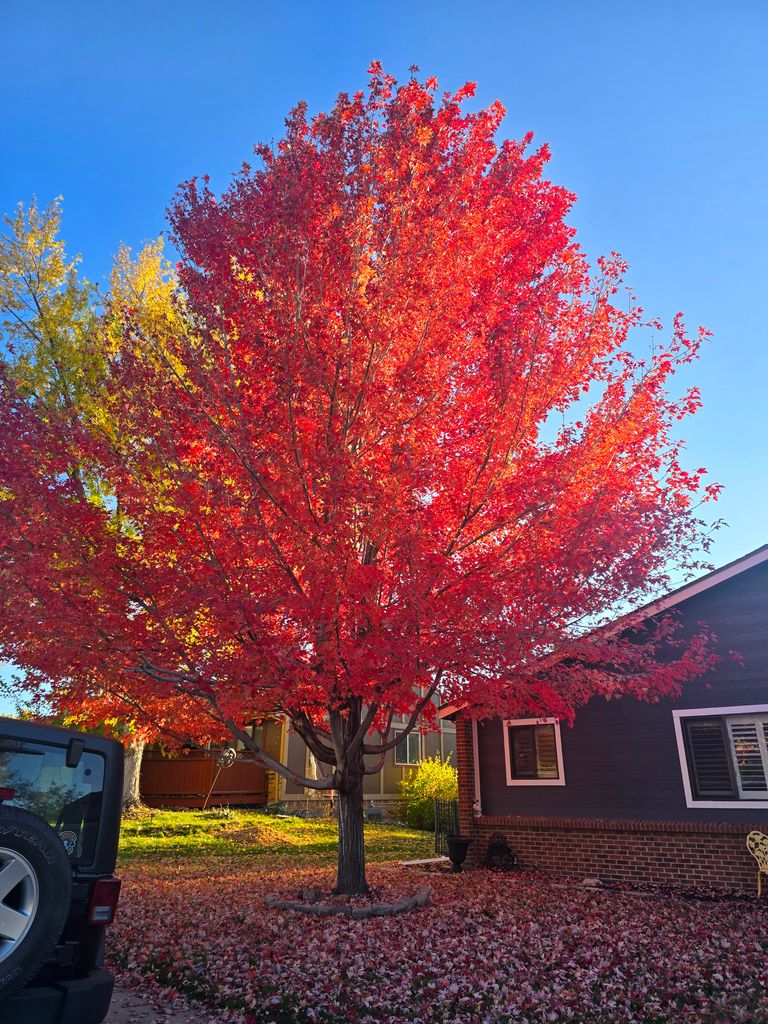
<point x="477" y="806"/>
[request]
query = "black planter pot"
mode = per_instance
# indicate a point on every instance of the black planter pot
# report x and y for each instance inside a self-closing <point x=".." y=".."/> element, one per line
<point x="457" y="850"/>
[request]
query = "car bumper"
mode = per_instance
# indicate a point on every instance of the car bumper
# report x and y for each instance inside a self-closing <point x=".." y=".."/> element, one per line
<point x="74" y="1001"/>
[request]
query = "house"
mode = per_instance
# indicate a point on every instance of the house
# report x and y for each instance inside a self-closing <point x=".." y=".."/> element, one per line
<point x="185" y="780"/>
<point x="645" y="792"/>
<point x="381" y="789"/>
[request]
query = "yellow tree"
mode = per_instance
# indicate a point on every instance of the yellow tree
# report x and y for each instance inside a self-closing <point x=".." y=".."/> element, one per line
<point x="58" y="336"/>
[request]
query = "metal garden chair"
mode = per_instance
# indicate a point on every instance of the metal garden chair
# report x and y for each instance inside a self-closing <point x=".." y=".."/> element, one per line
<point x="757" y="844"/>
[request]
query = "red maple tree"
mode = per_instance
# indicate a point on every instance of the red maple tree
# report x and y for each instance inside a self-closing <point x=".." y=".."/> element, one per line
<point x="401" y="446"/>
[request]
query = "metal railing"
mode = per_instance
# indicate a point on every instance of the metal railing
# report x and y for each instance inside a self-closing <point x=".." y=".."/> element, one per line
<point x="446" y="823"/>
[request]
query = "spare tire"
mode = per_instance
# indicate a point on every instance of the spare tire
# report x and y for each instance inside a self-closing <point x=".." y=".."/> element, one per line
<point x="35" y="895"/>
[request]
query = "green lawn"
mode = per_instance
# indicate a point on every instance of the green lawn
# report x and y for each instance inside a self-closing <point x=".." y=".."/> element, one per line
<point x="257" y="836"/>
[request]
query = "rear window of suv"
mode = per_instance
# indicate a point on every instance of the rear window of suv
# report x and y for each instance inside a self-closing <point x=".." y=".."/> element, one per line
<point x="69" y="799"/>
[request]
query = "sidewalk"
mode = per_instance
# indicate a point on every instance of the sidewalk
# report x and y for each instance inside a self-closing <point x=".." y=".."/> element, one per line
<point x="129" y="1007"/>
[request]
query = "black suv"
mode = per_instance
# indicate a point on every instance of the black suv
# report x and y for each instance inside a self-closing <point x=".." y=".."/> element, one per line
<point x="61" y="794"/>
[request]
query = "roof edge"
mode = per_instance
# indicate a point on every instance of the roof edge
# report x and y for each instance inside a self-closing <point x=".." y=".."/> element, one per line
<point x="447" y="712"/>
<point x="703" y="583"/>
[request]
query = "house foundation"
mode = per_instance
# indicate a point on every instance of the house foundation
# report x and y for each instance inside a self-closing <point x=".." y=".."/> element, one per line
<point x="684" y="854"/>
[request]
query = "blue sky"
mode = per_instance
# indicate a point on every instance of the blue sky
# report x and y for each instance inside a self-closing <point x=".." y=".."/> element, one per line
<point x="655" y="112"/>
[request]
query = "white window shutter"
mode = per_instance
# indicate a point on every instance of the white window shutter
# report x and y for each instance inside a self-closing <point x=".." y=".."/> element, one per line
<point x="750" y="755"/>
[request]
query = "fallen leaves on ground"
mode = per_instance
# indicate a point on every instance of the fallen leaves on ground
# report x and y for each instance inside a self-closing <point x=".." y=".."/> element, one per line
<point x="263" y="836"/>
<point x="489" y="949"/>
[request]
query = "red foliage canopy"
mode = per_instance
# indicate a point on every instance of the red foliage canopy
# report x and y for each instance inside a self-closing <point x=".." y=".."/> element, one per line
<point x="402" y="440"/>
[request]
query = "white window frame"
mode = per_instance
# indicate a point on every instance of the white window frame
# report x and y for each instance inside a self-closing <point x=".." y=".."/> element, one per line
<point x="729" y="712"/>
<point x="408" y="764"/>
<point x="560" y="780"/>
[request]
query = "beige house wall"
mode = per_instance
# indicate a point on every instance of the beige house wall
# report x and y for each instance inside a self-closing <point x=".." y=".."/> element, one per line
<point x="381" y="788"/>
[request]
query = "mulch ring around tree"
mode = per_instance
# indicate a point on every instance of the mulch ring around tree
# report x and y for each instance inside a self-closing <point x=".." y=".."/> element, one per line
<point x="381" y="900"/>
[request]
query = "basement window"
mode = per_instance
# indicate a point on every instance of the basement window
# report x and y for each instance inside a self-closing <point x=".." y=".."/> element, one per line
<point x="532" y="752"/>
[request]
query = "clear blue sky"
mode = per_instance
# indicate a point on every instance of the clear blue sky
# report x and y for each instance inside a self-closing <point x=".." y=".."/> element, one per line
<point x="655" y="112"/>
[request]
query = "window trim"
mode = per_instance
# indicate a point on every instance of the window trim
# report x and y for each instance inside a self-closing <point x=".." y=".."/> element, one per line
<point x="560" y="780"/>
<point x="408" y="764"/>
<point x="690" y="799"/>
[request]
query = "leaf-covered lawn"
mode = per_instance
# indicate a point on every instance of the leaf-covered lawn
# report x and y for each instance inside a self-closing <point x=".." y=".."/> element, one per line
<point x="490" y="949"/>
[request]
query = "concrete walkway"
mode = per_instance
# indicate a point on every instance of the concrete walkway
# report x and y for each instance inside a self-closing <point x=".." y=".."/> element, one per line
<point x="130" y="1007"/>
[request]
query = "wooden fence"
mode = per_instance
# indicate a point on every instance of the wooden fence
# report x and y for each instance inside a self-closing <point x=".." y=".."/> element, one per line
<point x="184" y="781"/>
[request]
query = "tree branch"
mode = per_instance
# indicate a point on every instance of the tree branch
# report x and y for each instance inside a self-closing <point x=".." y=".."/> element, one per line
<point x="307" y="730"/>
<point x="277" y="766"/>
<point x="192" y="686"/>
<point x="382" y="748"/>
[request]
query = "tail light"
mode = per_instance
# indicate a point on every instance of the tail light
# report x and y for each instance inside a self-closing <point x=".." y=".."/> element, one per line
<point x="104" y="897"/>
<point x="6" y="793"/>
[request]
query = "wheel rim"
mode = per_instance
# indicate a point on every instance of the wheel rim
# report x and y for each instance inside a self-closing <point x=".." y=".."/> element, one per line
<point x="19" y="898"/>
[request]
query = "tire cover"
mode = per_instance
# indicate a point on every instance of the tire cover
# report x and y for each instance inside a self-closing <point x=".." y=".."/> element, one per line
<point x="29" y="836"/>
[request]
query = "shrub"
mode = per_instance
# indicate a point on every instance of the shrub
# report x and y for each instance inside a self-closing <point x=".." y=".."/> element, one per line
<point x="433" y="779"/>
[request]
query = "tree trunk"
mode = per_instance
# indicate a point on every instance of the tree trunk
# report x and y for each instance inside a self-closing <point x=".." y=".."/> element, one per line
<point x="351" y="866"/>
<point x="131" y="792"/>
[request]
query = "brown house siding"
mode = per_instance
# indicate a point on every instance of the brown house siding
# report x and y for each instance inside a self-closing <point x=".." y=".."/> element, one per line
<point x="622" y="812"/>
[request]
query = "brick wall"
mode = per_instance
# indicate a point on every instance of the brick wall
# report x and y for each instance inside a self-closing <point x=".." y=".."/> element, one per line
<point x="466" y="770"/>
<point x="660" y="852"/>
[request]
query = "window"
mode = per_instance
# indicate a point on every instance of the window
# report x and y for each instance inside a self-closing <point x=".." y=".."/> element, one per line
<point x="532" y="752"/>
<point x="408" y="749"/>
<point x="69" y="799"/>
<point x="723" y="756"/>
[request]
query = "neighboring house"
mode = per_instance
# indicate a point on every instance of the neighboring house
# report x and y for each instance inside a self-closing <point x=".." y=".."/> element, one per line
<point x="381" y="789"/>
<point x="184" y="780"/>
<point x="662" y="793"/>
